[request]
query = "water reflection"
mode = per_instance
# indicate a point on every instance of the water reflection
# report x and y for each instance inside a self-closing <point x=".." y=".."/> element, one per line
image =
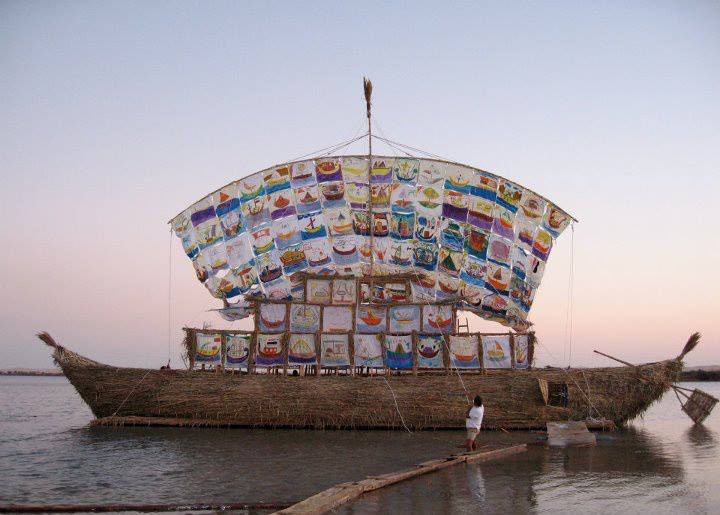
<point x="635" y="462"/>
<point x="662" y="463"/>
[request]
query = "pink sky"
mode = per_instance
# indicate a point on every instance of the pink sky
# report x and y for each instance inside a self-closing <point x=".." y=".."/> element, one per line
<point x="114" y="118"/>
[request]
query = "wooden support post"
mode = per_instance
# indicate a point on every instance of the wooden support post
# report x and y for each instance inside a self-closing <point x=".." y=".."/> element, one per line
<point x="318" y="352"/>
<point x="512" y="350"/>
<point x="192" y="351"/>
<point x="414" y="353"/>
<point x="481" y="356"/>
<point x="286" y="340"/>
<point x="446" y="354"/>
<point x="351" y="353"/>
<point x="251" y="353"/>
<point x="383" y="346"/>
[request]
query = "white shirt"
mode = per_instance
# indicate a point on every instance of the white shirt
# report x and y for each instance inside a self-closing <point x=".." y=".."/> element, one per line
<point x="474" y="419"/>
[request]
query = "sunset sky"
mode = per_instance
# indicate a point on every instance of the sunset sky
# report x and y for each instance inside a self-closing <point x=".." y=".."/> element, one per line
<point x="115" y="116"/>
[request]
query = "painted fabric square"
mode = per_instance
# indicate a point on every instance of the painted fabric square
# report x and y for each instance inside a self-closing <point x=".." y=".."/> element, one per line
<point x="287" y="232"/>
<point x="268" y="350"/>
<point x="272" y="317"/>
<point x="427" y="228"/>
<point x="228" y="213"/>
<point x="343" y="291"/>
<point x="312" y="225"/>
<point x="484" y="185"/>
<point x="371" y="319"/>
<point x="278" y="289"/>
<point x="402" y="226"/>
<point x="437" y="318"/>
<point x="344" y="250"/>
<point x="269" y="266"/>
<point x="521" y="351"/>
<point x="464" y="352"/>
<point x="368" y="350"/>
<point x="555" y="221"/>
<point x="425" y="256"/>
<point x="480" y="213"/>
<point x="302" y="173"/>
<point x="404" y="318"/>
<point x="496" y="351"/>
<point x="381" y="171"/>
<point x="301" y="349"/>
<point x="402" y="198"/>
<point x="430" y="351"/>
<point x="405" y="170"/>
<point x="455" y="205"/>
<point x="208" y="348"/>
<point x="401" y="253"/>
<point x="358" y="195"/>
<point x="327" y="170"/>
<point x="255" y="212"/>
<point x="277" y="179"/>
<point x="237" y="350"/>
<point x="318" y="291"/>
<point x="307" y="199"/>
<point x="339" y="221"/>
<point x="499" y="250"/>
<point x="251" y="187"/>
<point x="208" y="233"/>
<point x="317" y="252"/>
<point x="380" y="197"/>
<point x="354" y="169"/>
<point x="262" y="239"/>
<point x="281" y="204"/>
<point x="293" y="259"/>
<point x="332" y="195"/>
<point x="304" y="318"/>
<point x="337" y="319"/>
<point x="398" y="351"/>
<point x="457" y="179"/>
<point x="334" y="350"/>
<point x="448" y="287"/>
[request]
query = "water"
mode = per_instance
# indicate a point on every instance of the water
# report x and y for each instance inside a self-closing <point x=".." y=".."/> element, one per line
<point x="49" y="455"/>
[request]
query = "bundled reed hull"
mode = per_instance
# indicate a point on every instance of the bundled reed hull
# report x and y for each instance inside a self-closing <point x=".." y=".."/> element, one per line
<point x="513" y="398"/>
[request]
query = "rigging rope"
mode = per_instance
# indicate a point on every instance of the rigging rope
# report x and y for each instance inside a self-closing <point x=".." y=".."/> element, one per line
<point x="569" y="313"/>
<point x="396" y="405"/>
<point x="331" y="148"/>
<point x="169" y="332"/>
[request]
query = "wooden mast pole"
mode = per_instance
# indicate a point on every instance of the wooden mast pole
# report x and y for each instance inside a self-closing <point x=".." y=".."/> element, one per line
<point x="367" y="86"/>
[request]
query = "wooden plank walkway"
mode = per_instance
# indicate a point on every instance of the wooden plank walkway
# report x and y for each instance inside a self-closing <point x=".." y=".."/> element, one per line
<point x="340" y="494"/>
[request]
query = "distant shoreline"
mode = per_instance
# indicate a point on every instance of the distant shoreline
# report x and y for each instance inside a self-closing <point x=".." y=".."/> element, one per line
<point x="49" y="373"/>
<point x="686" y="375"/>
<point x="700" y="375"/>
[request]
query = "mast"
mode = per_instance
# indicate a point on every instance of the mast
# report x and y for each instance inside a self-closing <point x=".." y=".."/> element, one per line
<point x="367" y="86"/>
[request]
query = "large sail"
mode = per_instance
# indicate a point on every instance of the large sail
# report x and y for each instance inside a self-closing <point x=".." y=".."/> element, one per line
<point x="468" y="234"/>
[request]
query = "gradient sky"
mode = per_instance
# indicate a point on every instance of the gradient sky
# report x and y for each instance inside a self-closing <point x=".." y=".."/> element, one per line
<point x="114" y="116"/>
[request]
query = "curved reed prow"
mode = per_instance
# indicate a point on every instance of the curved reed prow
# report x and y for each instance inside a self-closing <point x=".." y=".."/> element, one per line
<point x="48" y="340"/>
<point x="690" y="345"/>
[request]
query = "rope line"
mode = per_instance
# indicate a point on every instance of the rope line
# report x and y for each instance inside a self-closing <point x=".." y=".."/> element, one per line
<point x="131" y="392"/>
<point x="331" y="148"/>
<point x="396" y="405"/>
<point x="169" y="332"/>
<point x="569" y="312"/>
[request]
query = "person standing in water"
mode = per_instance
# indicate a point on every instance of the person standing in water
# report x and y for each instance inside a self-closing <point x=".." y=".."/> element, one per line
<point x="473" y="422"/>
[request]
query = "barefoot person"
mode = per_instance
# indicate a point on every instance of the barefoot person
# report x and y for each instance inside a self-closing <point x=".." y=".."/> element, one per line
<point x="473" y="422"/>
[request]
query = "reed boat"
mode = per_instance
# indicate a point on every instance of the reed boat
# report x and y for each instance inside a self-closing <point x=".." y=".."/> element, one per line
<point x="514" y="399"/>
<point x="298" y="375"/>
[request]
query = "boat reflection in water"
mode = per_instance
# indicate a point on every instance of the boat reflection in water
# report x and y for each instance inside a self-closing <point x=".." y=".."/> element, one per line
<point x="565" y="480"/>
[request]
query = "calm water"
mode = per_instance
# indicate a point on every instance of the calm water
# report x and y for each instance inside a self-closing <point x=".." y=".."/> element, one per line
<point x="49" y="455"/>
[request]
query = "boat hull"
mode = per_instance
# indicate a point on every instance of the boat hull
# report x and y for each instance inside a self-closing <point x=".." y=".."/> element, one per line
<point x="512" y="398"/>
